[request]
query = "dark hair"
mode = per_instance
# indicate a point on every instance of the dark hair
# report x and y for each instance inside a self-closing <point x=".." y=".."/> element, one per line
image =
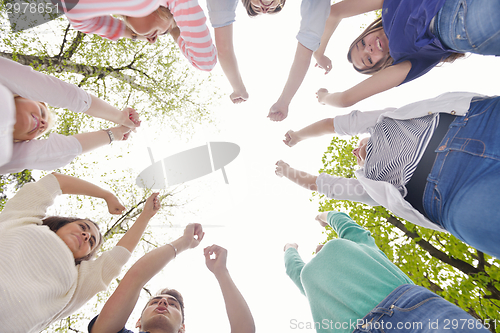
<point x="173" y="293"/>
<point x="251" y="12"/>
<point x="384" y="63"/>
<point x="57" y="222"/>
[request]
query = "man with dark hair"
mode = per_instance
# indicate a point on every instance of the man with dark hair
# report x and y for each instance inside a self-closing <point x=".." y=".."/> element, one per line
<point x="165" y="312"/>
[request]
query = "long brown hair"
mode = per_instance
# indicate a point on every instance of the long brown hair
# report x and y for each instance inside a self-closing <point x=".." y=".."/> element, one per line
<point x="57" y="222"/>
<point x="384" y="63"/>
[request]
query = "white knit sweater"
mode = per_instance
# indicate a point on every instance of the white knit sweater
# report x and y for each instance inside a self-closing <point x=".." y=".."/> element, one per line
<point x="39" y="282"/>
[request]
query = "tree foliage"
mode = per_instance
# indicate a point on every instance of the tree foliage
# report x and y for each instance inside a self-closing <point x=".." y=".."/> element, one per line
<point x="432" y="259"/>
<point x="152" y="78"/>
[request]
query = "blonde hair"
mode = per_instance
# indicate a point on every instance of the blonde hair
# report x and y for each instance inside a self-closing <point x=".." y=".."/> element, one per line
<point x="50" y="115"/>
<point x="163" y="12"/>
<point x="384" y="63"/>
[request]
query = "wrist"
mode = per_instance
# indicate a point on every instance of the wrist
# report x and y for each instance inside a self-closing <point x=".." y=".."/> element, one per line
<point x="180" y="244"/>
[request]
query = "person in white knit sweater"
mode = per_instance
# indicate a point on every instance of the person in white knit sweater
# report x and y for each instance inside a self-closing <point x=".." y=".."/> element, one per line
<point x="25" y="116"/>
<point x="47" y="271"/>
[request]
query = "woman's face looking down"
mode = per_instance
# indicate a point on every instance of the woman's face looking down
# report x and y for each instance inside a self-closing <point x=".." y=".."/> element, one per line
<point x="80" y="236"/>
<point x="370" y="50"/>
<point x="31" y="119"/>
<point x="151" y="26"/>
<point x="360" y="152"/>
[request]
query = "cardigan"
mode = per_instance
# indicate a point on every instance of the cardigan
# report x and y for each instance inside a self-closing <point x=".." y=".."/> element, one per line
<point x="346" y="279"/>
<point x="39" y="279"/>
<point x="380" y="193"/>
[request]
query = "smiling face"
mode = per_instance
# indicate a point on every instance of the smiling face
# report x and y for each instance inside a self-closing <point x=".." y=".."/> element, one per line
<point x="162" y="312"/>
<point x="31" y="119"/>
<point x="360" y="152"/>
<point x="80" y="236"/>
<point x="370" y="50"/>
<point x="155" y="24"/>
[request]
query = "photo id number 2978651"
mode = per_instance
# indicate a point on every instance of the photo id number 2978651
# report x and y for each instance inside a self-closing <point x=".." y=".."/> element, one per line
<point x="25" y="8"/>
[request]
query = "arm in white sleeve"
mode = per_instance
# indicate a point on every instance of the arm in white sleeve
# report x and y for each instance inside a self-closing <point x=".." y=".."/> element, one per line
<point x="36" y="86"/>
<point x="340" y="188"/>
<point x="55" y="152"/>
<point x="8" y="114"/>
<point x="357" y="122"/>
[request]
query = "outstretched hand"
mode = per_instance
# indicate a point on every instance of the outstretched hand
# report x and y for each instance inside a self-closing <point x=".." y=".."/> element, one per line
<point x="193" y="234"/>
<point x="281" y="168"/>
<point x="325" y="63"/>
<point x="291" y="138"/>
<point x="152" y="205"/>
<point x="321" y="95"/>
<point x="289" y="245"/>
<point x="121" y="133"/>
<point x="278" y="112"/>
<point x="129" y="118"/>
<point x="114" y="205"/>
<point x="218" y="264"/>
<point x="238" y="97"/>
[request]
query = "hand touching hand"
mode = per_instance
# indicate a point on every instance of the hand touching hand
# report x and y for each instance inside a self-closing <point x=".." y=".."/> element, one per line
<point x="152" y="205"/>
<point x="114" y="205"/>
<point x="218" y="264"/>
<point x="121" y="133"/>
<point x="289" y="245"/>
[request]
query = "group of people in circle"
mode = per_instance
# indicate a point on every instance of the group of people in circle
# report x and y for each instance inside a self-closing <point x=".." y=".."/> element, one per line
<point x="434" y="163"/>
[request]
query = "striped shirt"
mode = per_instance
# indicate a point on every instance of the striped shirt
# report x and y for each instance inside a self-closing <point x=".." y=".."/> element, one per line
<point x="195" y="42"/>
<point x="395" y="148"/>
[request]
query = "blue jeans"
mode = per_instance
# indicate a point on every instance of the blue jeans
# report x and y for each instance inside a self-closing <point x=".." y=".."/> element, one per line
<point x="412" y="309"/>
<point x="470" y="26"/>
<point x="462" y="193"/>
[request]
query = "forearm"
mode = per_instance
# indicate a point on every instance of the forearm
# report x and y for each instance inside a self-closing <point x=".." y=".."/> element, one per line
<point x="238" y="312"/>
<point x="301" y="178"/>
<point x="330" y="27"/>
<point x="103" y="110"/>
<point x="92" y="140"/>
<point x="320" y="128"/>
<point x="297" y="73"/>
<point x="134" y="234"/>
<point x="73" y="185"/>
<point x="227" y="57"/>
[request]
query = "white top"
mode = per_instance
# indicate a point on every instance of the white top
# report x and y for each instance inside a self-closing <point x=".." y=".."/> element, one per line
<point x="39" y="279"/>
<point x="49" y="154"/>
<point x="380" y="193"/>
<point x="314" y="15"/>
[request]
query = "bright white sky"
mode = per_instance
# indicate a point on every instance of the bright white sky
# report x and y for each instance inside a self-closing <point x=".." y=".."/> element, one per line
<point x="257" y="213"/>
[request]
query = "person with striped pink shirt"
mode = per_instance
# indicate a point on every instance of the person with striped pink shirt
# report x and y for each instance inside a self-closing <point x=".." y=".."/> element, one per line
<point x="184" y="20"/>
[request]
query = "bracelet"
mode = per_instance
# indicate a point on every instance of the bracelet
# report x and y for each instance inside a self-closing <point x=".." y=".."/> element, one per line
<point x="110" y="134"/>
<point x="175" y="250"/>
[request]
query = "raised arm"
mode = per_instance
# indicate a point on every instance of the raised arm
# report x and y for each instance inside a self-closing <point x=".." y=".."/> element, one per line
<point x="101" y="109"/>
<point x="228" y="62"/>
<point x="279" y="110"/>
<point x="238" y="312"/>
<point x="339" y="11"/>
<point x="119" y="306"/>
<point x="73" y="185"/>
<point x="386" y="79"/>
<point x="294" y="264"/>
<point x="194" y="39"/>
<point x="322" y="127"/>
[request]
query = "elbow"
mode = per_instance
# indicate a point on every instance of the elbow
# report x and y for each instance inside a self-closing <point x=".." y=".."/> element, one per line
<point x="345" y="100"/>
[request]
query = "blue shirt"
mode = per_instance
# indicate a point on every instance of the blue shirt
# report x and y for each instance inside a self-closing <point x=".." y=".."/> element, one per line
<point x="407" y="26"/>
<point x="123" y="330"/>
